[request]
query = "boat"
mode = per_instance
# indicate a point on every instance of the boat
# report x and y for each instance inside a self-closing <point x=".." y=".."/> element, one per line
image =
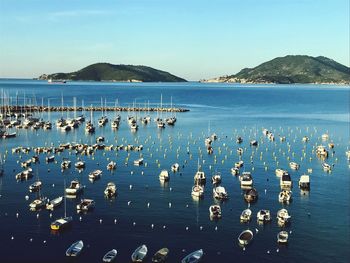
<point x="253" y="143"/>
<point x="304" y="182"/>
<point x="175" y="167"/>
<point x="285" y="196"/>
<point x="111" y="165"/>
<point x="219" y="192"/>
<point x="100" y="139"/>
<point x="286" y="181"/>
<point x="325" y="137"/>
<point x="54" y="203"/>
<point x="294" y="165"/>
<point x="283" y="216"/>
<point x="199" y="177"/>
<point x="251" y="195"/>
<point x="139" y="254"/>
<point x="74" y="188"/>
<point x="239" y="164"/>
<point x="111" y="189"/>
<point x="160" y="124"/>
<point x="197" y="191"/>
<point x="279" y="172"/>
<point x="7" y="135"/>
<point x="95" y="175"/>
<point x="64" y="222"/>
<point x="326" y="167"/>
<point x="246" y="179"/>
<point x="246" y="215"/>
<point x="34" y="187"/>
<point x="193" y="257"/>
<point x="66" y="164"/>
<point x="86" y="205"/>
<point x="239" y="140"/>
<point x="215" y="211"/>
<point x="161" y="255"/>
<point x="321" y="151"/>
<point x="347" y="153"/>
<point x="164" y="176"/>
<point x="234" y="171"/>
<point x="245" y="237"/>
<point x="216" y="179"/>
<point x="264" y="216"/>
<point x="25" y="175"/>
<point x="240" y="151"/>
<point x="38" y="203"/>
<point x="75" y="249"/>
<point x="110" y="255"/>
<point x="282" y="237"/>
<point x="138" y="162"/>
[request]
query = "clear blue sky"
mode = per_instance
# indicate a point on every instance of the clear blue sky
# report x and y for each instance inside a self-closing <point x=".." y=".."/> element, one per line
<point x="190" y="38"/>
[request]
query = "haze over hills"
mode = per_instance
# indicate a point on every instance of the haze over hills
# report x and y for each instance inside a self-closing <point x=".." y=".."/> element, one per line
<point x="292" y="69"/>
<point x="110" y="72"/>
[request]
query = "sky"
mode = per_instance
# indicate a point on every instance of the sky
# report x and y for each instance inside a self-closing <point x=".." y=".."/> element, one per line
<point x="193" y="39"/>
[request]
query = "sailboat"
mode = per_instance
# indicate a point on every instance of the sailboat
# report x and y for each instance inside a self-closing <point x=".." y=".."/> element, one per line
<point x="63" y="222"/>
<point x="1" y="167"/>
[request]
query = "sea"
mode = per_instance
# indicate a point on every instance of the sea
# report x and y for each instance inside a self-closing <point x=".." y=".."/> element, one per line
<point x="147" y="211"/>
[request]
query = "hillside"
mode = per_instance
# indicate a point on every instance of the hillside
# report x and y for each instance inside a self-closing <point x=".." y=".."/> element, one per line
<point x="110" y="72"/>
<point x="292" y="69"/>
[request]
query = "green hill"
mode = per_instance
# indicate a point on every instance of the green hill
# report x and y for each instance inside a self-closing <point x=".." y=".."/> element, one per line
<point x="294" y="69"/>
<point x="110" y="72"/>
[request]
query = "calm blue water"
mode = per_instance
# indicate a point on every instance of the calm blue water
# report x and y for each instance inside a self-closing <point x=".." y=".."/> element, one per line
<point x="319" y="231"/>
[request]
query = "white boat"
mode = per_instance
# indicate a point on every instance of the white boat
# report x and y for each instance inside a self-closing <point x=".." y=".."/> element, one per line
<point x="160" y="124"/>
<point x="282" y="237"/>
<point x="79" y="164"/>
<point x="347" y="153"/>
<point x="74" y="188"/>
<point x="283" y="216"/>
<point x="304" y="182"/>
<point x="246" y="179"/>
<point x="51" y="205"/>
<point x="25" y="175"/>
<point x="305" y="139"/>
<point x="253" y="143"/>
<point x="285" y="196"/>
<point x="139" y="254"/>
<point x="86" y="205"/>
<point x="66" y="164"/>
<point x="38" y="203"/>
<point x="240" y="151"/>
<point x="246" y="215"/>
<point x="34" y="187"/>
<point x="325" y="137"/>
<point x="194" y="257"/>
<point x="111" y="189"/>
<point x="75" y="249"/>
<point x="110" y="256"/>
<point x="239" y="140"/>
<point x="175" y="167"/>
<point x="215" y="211"/>
<point x="279" y="172"/>
<point x="286" y="181"/>
<point x="161" y="255"/>
<point x="326" y="167"/>
<point x="321" y="151"/>
<point x="245" y="237"/>
<point x="219" y="192"/>
<point x="234" y="171"/>
<point x="264" y="216"/>
<point x="251" y="195"/>
<point x="164" y="176"/>
<point x="294" y="165"/>
<point x="197" y="191"/>
<point x="111" y="165"/>
<point x="95" y="175"/>
<point x="138" y="162"/>
<point x="216" y="179"/>
<point x="239" y="164"/>
<point x="199" y="177"/>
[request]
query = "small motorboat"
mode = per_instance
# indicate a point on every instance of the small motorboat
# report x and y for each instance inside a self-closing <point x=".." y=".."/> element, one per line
<point x="110" y="256"/>
<point x="161" y="255"/>
<point x="235" y="171"/>
<point x="175" y="167"/>
<point x="239" y="140"/>
<point x="286" y="181"/>
<point x="251" y="195"/>
<point x="279" y="172"/>
<point x="215" y="211"/>
<point x="25" y="175"/>
<point x="111" y="190"/>
<point x="283" y="216"/>
<point x="95" y="175"/>
<point x="38" y="203"/>
<point x="294" y="165"/>
<point x="66" y="164"/>
<point x="240" y="151"/>
<point x="239" y="164"/>
<point x="138" y="162"/>
<point x="285" y="196"/>
<point x="219" y="192"/>
<point x="86" y="205"/>
<point x="164" y="176"/>
<point x="282" y="237"/>
<point x="139" y="254"/>
<point x="216" y="179"/>
<point x="321" y="151"/>
<point x="54" y="203"/>
<point x="304" y="182"/>
<point x="253" y="143"/>
<point x="326" y="167"/>
<point x="197" y="191"/>
<point x="79" y="165"/>
<point x="194" y="257"/>
<point x="50" y="159"/>
<point x="74" y="188"/>
<point x="246" y="215"/>
<point x="199" y="178"/>
<point x="100" y="139"/>
<point x="61" y="223"/>
<point x="245" y="237"/>
<point x="75" y="249"/>
<point x="246" y="179"/>
<point x="34" y="187"/>
<point x="111" y="165"/>
<point x="264" y="216"/>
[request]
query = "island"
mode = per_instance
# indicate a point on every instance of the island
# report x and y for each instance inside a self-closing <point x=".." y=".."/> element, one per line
<point x="114" y="73"/>
<point x="291" y="69"/>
